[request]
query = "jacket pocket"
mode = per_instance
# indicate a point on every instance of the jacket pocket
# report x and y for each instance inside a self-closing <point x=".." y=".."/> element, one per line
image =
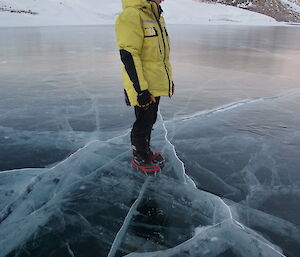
<point x="151" y="46"/>
<point x="150" y="32"/>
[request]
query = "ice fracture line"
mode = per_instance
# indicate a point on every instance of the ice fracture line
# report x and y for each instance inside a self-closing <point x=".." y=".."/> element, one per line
<point x="228" y="107"/>
<point x="183" y="166"/>
<point x="132" y="211"/>
<point x="70" y="250"/>
<point x="234" y="222"/>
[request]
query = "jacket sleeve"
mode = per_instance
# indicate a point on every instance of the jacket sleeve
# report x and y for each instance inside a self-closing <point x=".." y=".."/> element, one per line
<point x="130" y="37"/>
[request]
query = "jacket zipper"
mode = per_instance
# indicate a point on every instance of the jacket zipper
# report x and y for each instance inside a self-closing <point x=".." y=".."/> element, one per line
<point x="167" y="39"/>
<point x="164" y="43"/>
<point x="158" y="40"/>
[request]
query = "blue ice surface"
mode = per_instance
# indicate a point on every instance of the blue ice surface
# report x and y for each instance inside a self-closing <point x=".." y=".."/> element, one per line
<point x="230" y="186"/>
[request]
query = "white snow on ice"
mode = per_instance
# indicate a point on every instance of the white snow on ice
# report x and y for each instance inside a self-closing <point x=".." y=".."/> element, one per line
<point x="292" y="5"/>
<point x="93" y="12"/>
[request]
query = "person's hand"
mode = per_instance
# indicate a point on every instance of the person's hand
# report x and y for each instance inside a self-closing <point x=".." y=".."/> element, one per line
<point x="145" y="99"/>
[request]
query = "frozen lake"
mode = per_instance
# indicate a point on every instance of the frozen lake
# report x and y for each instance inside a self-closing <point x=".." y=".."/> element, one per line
<point x="234" y="122"/>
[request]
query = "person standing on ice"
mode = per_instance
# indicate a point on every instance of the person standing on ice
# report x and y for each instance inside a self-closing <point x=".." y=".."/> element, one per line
<point x="147" y="74"/>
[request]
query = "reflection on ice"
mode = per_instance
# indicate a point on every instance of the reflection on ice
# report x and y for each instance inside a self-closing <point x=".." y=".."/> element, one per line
<point x="231" y="139"/>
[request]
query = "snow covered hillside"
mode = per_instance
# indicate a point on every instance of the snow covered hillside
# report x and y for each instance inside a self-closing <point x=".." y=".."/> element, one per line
<point x="59" y="12"/>
<point x="293" y="5"/>
<point x="281" y="10"/>
<point x="94" y="12"/>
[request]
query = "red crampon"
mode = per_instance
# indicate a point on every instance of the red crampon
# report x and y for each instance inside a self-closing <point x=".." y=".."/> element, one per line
<point x="149" y="169"/>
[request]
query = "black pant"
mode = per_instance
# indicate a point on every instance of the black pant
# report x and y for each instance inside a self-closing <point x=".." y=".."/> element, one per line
<point x="142" y="127"/>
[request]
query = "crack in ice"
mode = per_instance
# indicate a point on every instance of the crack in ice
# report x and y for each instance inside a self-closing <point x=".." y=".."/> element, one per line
<point x="120" y="235"/>
<point x="186" y="177"/>
<point x="70" y="250"/>
<point x="132" y="211"/>
<point x="227" y="107"/>
<point x="233" y="221"/>
<point x="223" y="108"/>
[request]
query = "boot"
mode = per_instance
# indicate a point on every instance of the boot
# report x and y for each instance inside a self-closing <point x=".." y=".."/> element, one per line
<point x="144" y="164"/>
<point x="157" y="158"/>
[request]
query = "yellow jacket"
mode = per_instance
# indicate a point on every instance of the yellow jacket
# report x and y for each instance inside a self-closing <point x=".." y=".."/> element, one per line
<point x="144" y="47"/>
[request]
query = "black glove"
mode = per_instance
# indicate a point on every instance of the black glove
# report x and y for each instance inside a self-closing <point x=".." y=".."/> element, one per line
<point x="144" y="99"/>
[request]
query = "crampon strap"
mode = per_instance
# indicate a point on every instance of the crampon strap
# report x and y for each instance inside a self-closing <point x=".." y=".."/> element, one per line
<point x="146" y="169"/>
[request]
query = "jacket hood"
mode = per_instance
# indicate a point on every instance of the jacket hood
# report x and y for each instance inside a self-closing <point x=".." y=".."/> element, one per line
<point x="149" y="4"/>
<point x="134" y="3"/>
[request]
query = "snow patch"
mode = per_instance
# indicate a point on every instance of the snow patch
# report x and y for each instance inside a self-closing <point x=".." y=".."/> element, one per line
<point x="291" y="5"/>
<point x="93" y="12"/>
